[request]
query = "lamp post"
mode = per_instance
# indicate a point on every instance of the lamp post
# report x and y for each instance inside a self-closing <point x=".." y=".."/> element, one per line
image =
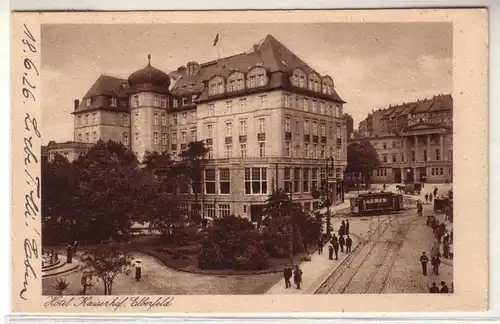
<point x="291" y="223"/>
<point x="328" y="198"/>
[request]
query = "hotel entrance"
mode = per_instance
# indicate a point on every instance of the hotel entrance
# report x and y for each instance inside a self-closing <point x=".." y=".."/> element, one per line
<point x="397" y="175"/>
<point x="422" y="174"/>
<point x="409" y="176"/>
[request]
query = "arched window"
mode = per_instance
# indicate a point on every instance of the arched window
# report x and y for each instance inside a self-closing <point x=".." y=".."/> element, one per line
<point x="235" y="82"/>
<point x="314" y="82"/>
<point x="257" y="77"/>
<point x="216" y="85"/>
<point x="327" y="85"/>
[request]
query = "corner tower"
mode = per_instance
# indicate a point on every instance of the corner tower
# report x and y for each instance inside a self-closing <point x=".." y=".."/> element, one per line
<point x="149" y="100"/>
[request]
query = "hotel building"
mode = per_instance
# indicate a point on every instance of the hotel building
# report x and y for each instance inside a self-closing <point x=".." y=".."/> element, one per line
<point x="267" y="118"/>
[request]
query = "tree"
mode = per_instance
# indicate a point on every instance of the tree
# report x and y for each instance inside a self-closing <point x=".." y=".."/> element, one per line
<point x="60" y="285"/>
<point x="194" y="159"/>
<point x="362" y="158"/>
<point x="108" y="183"/>
<point x="106" y="262"/>
<point x="153" y="161"/>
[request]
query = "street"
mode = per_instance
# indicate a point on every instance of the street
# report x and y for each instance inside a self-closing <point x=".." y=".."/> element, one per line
<point x="387" y="262"/>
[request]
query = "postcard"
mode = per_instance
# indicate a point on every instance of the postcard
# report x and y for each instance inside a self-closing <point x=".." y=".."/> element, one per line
<point x="250" y="161"/>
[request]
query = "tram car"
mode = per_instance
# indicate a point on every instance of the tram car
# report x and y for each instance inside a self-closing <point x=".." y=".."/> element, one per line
<point x="376" y="203"/>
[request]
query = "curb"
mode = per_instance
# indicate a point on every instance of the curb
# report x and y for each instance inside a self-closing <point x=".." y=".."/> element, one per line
<point x="49" y="275"/>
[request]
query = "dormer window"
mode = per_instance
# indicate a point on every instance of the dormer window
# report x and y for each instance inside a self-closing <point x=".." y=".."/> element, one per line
<point x="216" y="85"/>
<point x="88" y="102"/>
<point x="176" y="103"/>
<point x="114" y="102"/>
<point x="262" y="79"/>
<point x="184" y="101"/>
<point x="164" y="102"/>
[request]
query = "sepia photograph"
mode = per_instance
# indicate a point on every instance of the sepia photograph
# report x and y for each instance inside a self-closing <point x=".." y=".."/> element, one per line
<point x="247" y="159"/>
<point x="251" y="161"/>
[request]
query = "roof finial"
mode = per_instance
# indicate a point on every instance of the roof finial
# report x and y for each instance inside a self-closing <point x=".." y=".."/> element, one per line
<point x="149" y="59"/>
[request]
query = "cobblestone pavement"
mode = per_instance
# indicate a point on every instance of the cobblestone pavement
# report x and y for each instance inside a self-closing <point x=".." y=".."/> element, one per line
<point x="388" y="261"/>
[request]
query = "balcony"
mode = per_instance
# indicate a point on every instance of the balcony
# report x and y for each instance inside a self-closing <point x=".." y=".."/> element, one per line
<point x="210" y="141"/>
<point x="261" y="137"/>
<point x="315" y="138"/>
<point x="339" y="141"/>
<point x="307" y="138"/>
<point x="323" y="139"/>
<point x="243" y="138"/>
<point x="288" y="136"/>
<point x="228" y="140"/>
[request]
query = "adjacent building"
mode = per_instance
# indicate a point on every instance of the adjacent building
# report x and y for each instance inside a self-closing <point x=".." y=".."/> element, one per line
<point x="414" y="141"/>
<point x="268" y="119"/>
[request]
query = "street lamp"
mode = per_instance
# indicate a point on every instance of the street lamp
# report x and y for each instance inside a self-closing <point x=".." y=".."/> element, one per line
<point x="328" y="200"/>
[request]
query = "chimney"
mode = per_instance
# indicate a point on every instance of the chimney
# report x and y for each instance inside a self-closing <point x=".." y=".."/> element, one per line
<point x="192" y="68"/>
<point x="77" y="103"/>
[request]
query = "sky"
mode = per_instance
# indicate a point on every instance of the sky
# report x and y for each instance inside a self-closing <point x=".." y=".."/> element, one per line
<point x="373" y="65"/>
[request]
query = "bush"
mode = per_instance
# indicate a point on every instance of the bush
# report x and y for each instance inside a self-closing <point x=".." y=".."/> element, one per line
<point x="233" y="243"/>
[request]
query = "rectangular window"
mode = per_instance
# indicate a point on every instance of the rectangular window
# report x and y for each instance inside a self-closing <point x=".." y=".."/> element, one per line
<point x="306" y="150"/>
<point x="402" y="157"/>
<point x="287" y="124"/>
<point x="306" y="104"/>
<point x="243" y="103"/>
<point x="322" y="154"/>
<point x="193" y="116"/>
<point x="210" y="131"/>
<point x="94" y="137"/>
<point x="384" y="158"/>
<point x="224" y="210"/>
<point x="323" y="110"/>
<point x="339" y="132"/>
<point x="255" y="181"/>
<point x="125" y="139"/>
<point x="306" y="127"/>
<point x="262" y="149"/>
<point x="174" y="138"/>
<point x="413" y="156"/>
<point x="394" y="158"/>
<point x="262" y="125"/>
<point x="438" y="155"/>
<point x="114" y="102"/>
<point x="193" y="135"/>
<point x="176" y="103"/>
<point x="155" y="119"/>
<point x="441" y="171"/>
<point x="286" y="100"/>
<point x="263" y="101"/>
<point x="210" y="153"/>
<point x="156" y="136"/>
<point x="164" y="102"/>
<point x="164" y="138"/>
<point x="210" y="210"/>
<point x="94" y="118"/>
<point x="156" y="101"/>
<point x="125" y="119"/>
<point x="314" y="176"/>
<point x="224" y="181"/>
<point x="229" y="107"/>
<point x="315" y="151"/>
<point x="136" y="102"/>
<point x="305" y="180"/>
<point x="243" y="127"/>
<point x="183" y="137"/>
<point x="425" y="155"/>
<point x="210" y="181"/>
<point x="184" y="117"/>
<point x="296" y="180"/>
<point x="297" y="127"/>
<point x="136" y="137"/>
<point x="314" y="106"/>
<point x="288" y="179"/>
<point x="211" y="110"/>
<point x="174" y="119"/>
<point x="287" y="149"/>
<point x="163" y="120"/>
<point x="229" y="129"/>
<point x="243" y="148"/>
<point x="315" y="128"/>
<point x="323" y="129"/>
<point x="228" y="151"/>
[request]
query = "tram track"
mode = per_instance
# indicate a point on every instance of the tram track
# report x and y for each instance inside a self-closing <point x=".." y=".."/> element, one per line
<point x="377" y="280"/>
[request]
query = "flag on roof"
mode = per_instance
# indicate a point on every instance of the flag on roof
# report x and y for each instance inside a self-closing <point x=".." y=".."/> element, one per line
<point x="216" y="40"/>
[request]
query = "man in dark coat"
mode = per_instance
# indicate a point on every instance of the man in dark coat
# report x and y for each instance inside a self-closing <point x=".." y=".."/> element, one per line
<point x="334" y="239"/>
<point x="297" y="276"/>
<point x="320" y="246"/>
<point x="336" y="249"/>
<point x="342" y="243"/>
<point x="69" y="254"/>
<point x="348" y="244"/>
<point x="347" y="227"/>
<point x="342" y="226"/>
<point x="423" y="260"/>
<point x="330" y="251"/>
<point x="433" y="289"/>
<point x="435" y="265"/>
<point x="426" y="197"/>
<point x="444" y="288"/>
<point x="287" y="274"/>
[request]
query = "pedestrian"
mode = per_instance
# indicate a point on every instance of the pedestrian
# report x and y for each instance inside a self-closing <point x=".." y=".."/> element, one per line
<point x="444" y="288"/>
<point x="341" y="230"/>
<point x="435" y="264"/>
<point x="446" y="250"/>
<point x="347" y="226"/>
<point x="435" y="192"/>
<point x="334" y="239"/>
<point x="342" y="225"/>
<point x="348" y="244"/>
<point x="297" y="276"/>
<point x="138" y="270"/>
<point x="419" y="208"/>
<point x="69" y="254"/>
<point x="287" y="274"/>
<point x="433" y="289"/>
<point x="330" y="251"/>
<point x="426" y="197"/>
<point x="320" y="246"/>
<point x="342" y="243"/>
<point x="85" y="283"/>
<point x="423" y="260"/>
<point x="430" y="198"/>
<point x="336" y="250"/>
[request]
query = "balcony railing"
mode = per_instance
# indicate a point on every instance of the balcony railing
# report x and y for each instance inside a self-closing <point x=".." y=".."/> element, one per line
<point x="229" y="140"/>
<point x="261" y="136"/>
<point x="288" y="136"/>
<point x="315" y="138"/>
<point x="307" y="138"/>
<point x="243" y="138"/>
<point x="210" y="141"/>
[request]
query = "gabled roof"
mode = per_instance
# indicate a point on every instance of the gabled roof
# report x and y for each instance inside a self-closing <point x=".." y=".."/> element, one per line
<point x="107" y="85"/>
<point x="442" y="102"/>
<point x="422" y="106"/>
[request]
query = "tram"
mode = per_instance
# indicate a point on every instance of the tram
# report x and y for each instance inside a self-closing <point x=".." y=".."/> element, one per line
<point x="376" y="203"/>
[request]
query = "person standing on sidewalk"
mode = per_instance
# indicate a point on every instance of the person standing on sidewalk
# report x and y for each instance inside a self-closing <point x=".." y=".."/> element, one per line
<point x="435" y="264"/>
<point x="444" y="288"/>
<point x="426" y="197"/>
<point x="330" y="251"/>
<point x="320" y="245"/>
<point x="342" y="243"/>
<point x="348" y="244"/>
<point x="334" y="239"/>
<point x="423" y="260"/>
<point x="297" y="276"/>
<point x="419" y="208"/>
<point x="287" y="274"/>
<point x="336" y="249"/>
<point x="347" y="226"/>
